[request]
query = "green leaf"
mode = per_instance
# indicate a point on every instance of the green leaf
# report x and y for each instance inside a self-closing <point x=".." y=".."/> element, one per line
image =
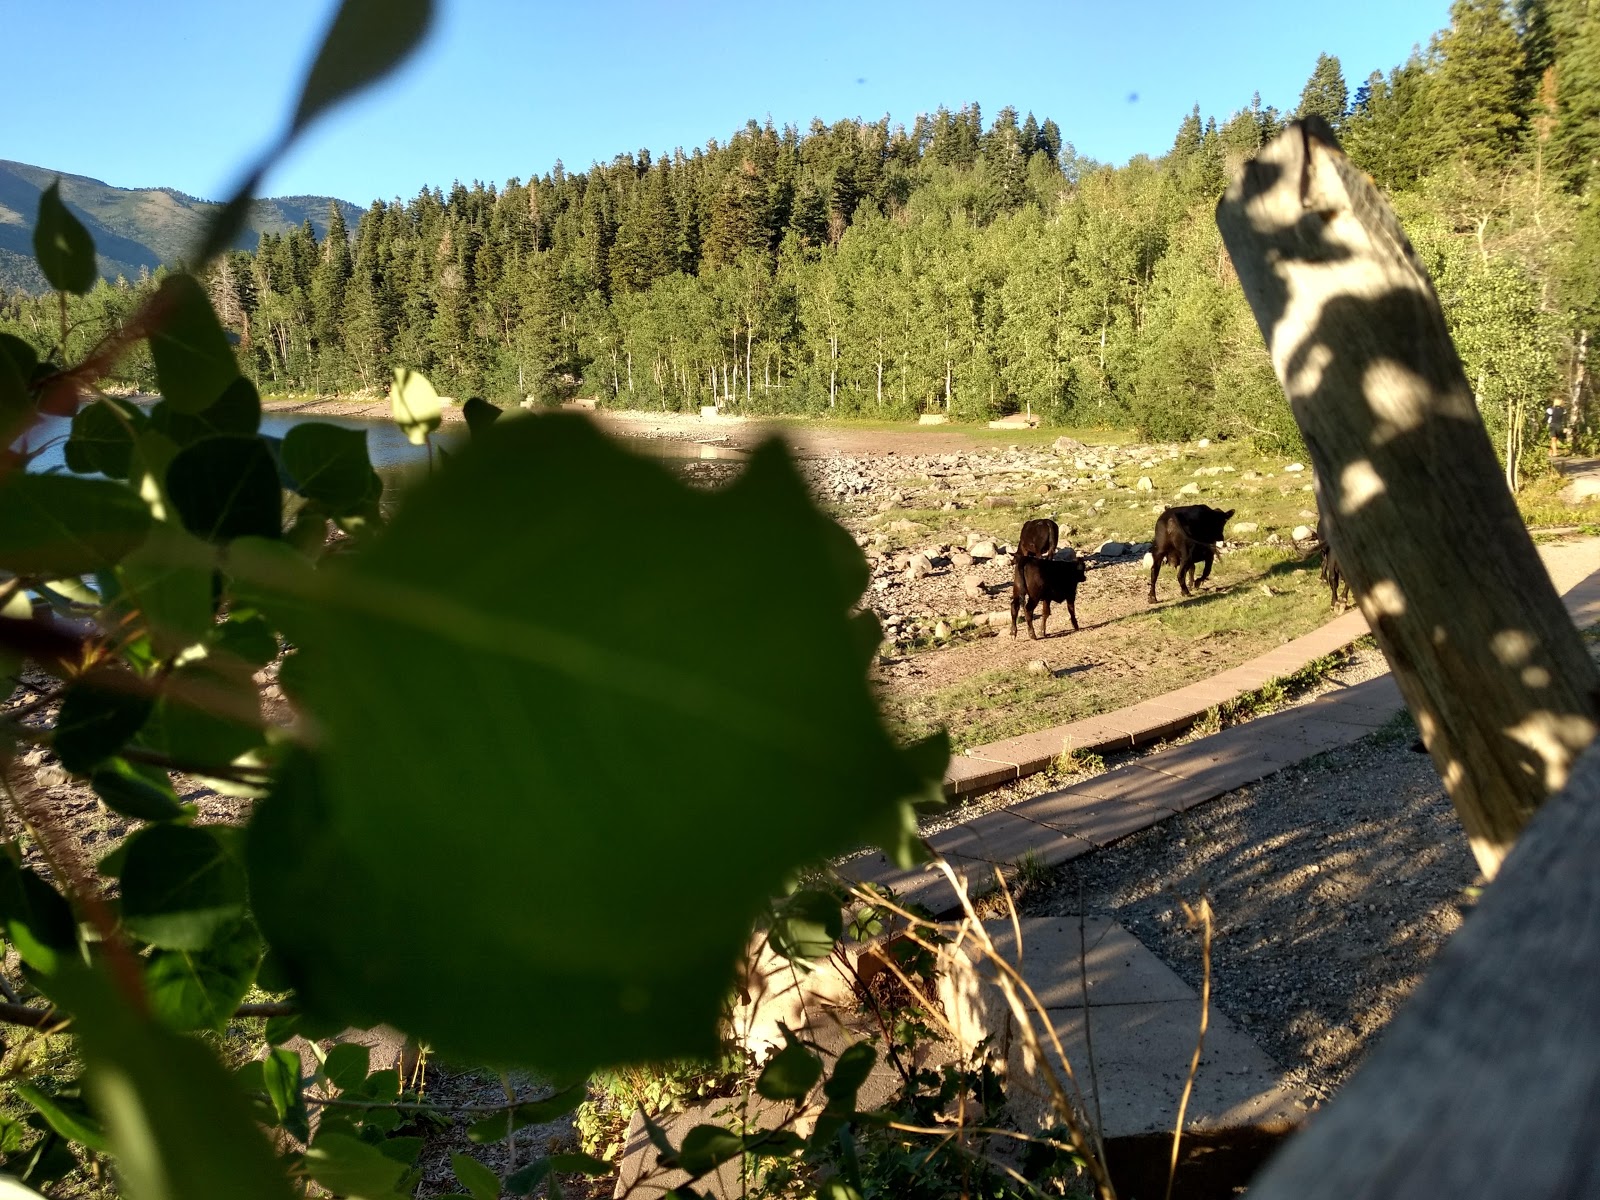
<point x="236" y="411"/>
<point x="637" y="969"/>
<point x="56" y="525"/>
<point x="199" y="989"/>
<point x="367" y="40"/>
<point x="180" y="885"/>
<point x="808" y="927"/>
<point x="21" y="355"/>
<point x="36" y="917"/>
<point x="62" y="245"/>
<point x="194" y="363"/>
<point x="207" y="718"/>
<point x="165" y="588"/>
<point x="791" y="1073"/>
<point x="16" y="402"/>
<point x="280" y="1071"/>
<point x="480" y="414"/>
<point x="534" y="1112"/>
<point x="178" y="1126"/>
<point x="69" y="1118"/>
<point x="102" y="710"/>
<point x="353" y="1169"/>
<point x="249" y="639"/>
<point x="850" y="1071"/>
<point x="141" y="792"/>
<point x="227" y="487"/>
<point x="483" y="1183"/>
<point x="402" y="1149"/>
<point x="707" y="1147"/>
<point x="329" y="465"/>
<point x="102" y="438"/>
<point x="415" y="405"/>
<point x="347" y="1065"/>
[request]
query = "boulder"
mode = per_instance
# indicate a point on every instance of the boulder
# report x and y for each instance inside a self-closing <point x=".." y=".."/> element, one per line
<point x="902" y="526"/>
<point x="1038" y="667"/>
<point x="1203" y="443"/>
<point x="941" y="631"/>
<point x="1112" y="549"/>
<point x="1145" y="484"/>
<point x="1245" y="527"/>
<point x="932" y="419"/>
<point x="973" y="587"/>
<point x="1189" y="489"/>
<point x="1066" y="445"/>
<point x="1300" y="532"/>
<point x="960" y="560"/>
<point x="1139" y="548"/>
<point x="998" y="502"/>
<point x="982" y="550"/>
<point x="1293" y="467"/>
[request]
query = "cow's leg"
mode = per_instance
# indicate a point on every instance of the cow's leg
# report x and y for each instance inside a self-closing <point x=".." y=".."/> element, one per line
<point x="1031" y="634"/>
<point x="1185" y="573"/>
<point x="1016" y="605"/>
<point x="1072" y="610"/>
<point x="1208" y="555"/>
<point x="1044" y="625"/>
<point x="1155" y="569"/>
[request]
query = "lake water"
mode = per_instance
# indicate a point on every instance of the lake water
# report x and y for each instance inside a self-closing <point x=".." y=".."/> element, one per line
<point x="386" y="445"/>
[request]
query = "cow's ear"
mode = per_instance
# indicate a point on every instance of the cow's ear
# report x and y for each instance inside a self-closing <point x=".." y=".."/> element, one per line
<point x="1227" y="514"/>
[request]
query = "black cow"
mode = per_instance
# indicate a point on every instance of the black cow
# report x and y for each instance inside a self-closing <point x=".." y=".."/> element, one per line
<point x="1185" y="536"/>
<point x="1043" y="579"/>
<point x="1332" y="575"/>
<point x="1039" y="539"/>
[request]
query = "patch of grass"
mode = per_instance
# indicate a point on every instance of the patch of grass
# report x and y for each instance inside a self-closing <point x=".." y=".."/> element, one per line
<point x="1541" y="505"/>
<point x="1029" y="871"/>
<point x="1399" y="730"/>
<point x="1168" y="647"/>
<point x="1079" y="762"/>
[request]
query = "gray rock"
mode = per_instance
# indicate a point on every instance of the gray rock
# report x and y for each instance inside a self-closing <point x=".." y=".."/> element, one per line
<point x="982" y="550"/>
<point x="1112" y="549"/>
<point x="973" y="587"/>
<point x="998" y="502"/>
<point x="1245" y="527"/>
<point x="1189" y="489"/>
<point x="1300" y="532"/>
<point x="902" y="526"/>
<point x="1145" y="484"/>
<point x="941" y="631"/>
<point x="1292" y="467"/>
<point x="960" y="560"/>
<point x="1038" y="667"/>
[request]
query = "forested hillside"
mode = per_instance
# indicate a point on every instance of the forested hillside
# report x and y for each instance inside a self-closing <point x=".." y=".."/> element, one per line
<point x="953" y="265"/>
<point x="135" y="230"/>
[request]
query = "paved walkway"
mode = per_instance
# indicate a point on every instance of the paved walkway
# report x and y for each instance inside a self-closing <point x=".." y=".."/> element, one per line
<point x="1075" y="820"/>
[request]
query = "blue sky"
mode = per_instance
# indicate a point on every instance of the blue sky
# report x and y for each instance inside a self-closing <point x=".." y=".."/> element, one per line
<point x="180" y="94"/>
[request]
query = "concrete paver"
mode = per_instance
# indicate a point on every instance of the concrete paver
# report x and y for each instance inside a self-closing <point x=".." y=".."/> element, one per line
<point x="1142" y="1020"/>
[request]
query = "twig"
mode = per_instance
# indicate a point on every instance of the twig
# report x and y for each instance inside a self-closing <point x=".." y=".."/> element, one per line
<point x="1197" y="916"/>
<point x="1088" y="1033"/>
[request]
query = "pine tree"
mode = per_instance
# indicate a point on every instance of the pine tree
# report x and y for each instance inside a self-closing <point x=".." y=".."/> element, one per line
<point x="1575" y="87"/>
<point x="1325" y="94"/>
<point x="1478" y="94"/>
<point x="1190" y="133"/>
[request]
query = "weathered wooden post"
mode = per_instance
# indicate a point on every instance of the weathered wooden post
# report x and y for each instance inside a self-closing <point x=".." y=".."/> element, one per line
<point x="1411" y="496"/>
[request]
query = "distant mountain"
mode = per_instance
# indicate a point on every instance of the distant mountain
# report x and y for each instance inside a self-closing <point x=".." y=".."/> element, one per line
<point x="132" y="227"/>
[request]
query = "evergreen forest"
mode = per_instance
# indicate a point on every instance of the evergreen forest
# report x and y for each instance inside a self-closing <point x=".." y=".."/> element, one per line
<point x="869" y="269"/>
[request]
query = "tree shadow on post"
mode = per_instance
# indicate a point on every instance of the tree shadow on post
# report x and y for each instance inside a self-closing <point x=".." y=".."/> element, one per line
<point x="1412" y="498"/>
